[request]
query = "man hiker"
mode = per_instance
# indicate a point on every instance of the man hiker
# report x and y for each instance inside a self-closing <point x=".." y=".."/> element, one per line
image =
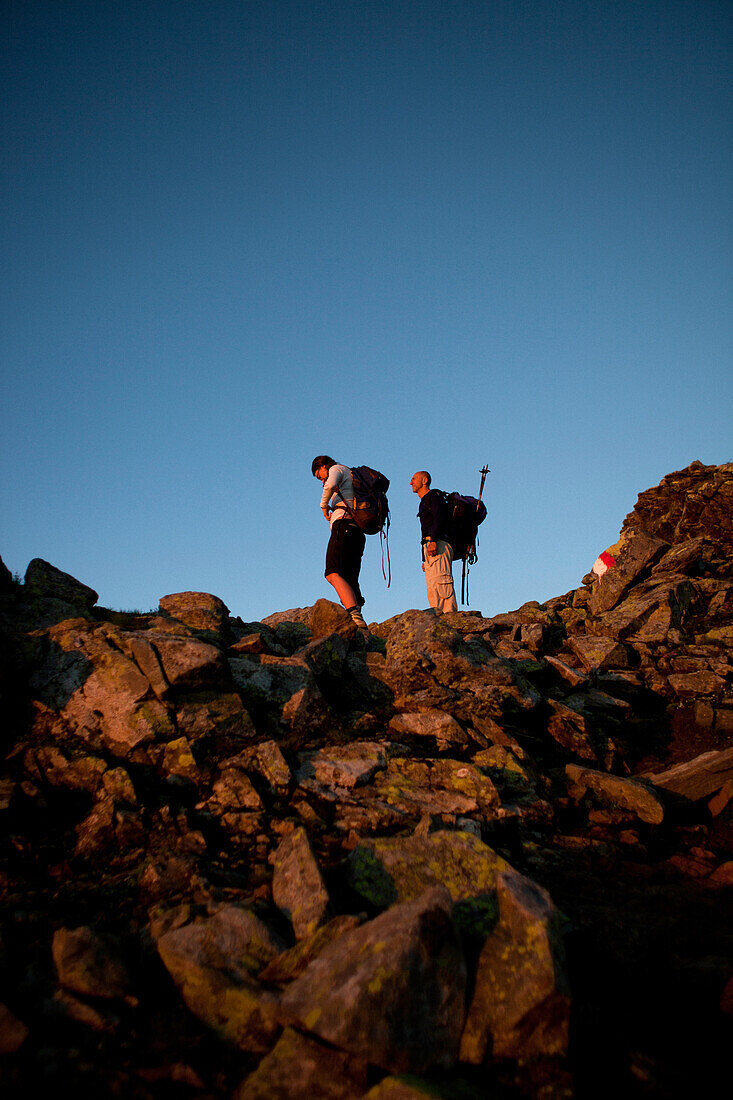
<point x="437" y="551"/>
<point x="346" y="544"/>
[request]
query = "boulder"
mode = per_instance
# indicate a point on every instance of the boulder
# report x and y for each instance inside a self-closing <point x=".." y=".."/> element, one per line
<point x="198" y="611"/>
<point x="391" y="869"/>
<point x="97" y="691"/>
<point x="638" y="554"/>
<point x="284" y="687"/>
<point x="390" y="992"/>
<point x="631" y="795"/>
<point x="342" y="766"/>
<point x="597" y="653"/>
<point x="298" y="1065"/>
<point x="13" y="1032"/>
<point x="521" y="1005"/>
<point x="698" y="778"/>
<point x="431" y="723"/>
<point x="327" y="617"/>
<point x="426" y="658"/>
<point x="44" y="581"/>
<point x="214" y="963"/>
<point x="86" y="963"/>
<point x="298" y="889"/>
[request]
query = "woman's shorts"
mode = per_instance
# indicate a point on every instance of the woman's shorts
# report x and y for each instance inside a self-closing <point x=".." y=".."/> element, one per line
<point x="345" y="548"/>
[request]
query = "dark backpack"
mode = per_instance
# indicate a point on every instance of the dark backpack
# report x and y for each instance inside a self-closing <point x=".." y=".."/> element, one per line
<point x="464" y="516"/>
<point x="370" y="510"/>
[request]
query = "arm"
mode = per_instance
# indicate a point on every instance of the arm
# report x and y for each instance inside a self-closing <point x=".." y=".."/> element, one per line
<point x="330" y="486"/>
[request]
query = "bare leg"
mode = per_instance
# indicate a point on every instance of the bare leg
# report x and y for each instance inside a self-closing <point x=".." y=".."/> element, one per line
<point x="344" y="591"/>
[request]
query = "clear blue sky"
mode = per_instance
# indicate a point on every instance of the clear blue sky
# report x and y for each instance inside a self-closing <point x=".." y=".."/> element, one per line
<point x="409" y="234"/>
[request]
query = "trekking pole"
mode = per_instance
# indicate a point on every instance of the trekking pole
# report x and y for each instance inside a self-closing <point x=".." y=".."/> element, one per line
<point x="472" y="557"/>
<point x="483" y="471"/>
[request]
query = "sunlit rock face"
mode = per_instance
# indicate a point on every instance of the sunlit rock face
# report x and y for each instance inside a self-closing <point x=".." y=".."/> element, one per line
<point x="267" y="858"/>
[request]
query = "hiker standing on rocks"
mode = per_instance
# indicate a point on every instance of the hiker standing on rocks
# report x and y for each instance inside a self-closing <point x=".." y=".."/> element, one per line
<point x="437" y="551"/>
<point x="346" y="544"/>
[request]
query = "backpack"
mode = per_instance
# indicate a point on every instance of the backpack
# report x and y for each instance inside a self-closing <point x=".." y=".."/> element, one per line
<point x="370" y="510"/>
<point x="463" y="516"/>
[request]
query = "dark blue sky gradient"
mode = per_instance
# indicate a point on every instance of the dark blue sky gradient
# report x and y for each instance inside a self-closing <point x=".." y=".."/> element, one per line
<point x="408" y="234"/>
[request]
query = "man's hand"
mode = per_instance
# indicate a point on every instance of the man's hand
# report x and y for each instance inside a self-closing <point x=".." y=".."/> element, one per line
<point x="431" y="548"/>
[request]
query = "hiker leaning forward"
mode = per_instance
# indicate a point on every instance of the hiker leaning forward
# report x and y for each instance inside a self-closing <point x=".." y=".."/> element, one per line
<point x="346" y="544"/>
<point x="437" y="552"/>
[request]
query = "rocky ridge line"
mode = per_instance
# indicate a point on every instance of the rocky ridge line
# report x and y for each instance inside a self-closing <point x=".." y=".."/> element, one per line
<point x="477" y="857"/>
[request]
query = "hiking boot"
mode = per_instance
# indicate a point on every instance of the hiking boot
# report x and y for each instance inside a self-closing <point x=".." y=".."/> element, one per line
<point x="358" y="620"/>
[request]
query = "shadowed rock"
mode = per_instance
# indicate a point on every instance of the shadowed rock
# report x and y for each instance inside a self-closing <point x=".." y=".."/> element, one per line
<point x="297" y="884"/>
<point x="390" y="992"/>
<point x="214" y="963"/>
<point x="520" y="1005"/>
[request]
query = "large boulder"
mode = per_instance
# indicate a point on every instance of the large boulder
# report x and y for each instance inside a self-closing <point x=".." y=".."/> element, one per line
<point x="392" y="991"/>
<point x="427" y="658"/>
<point x="45" y="581"/>
<point x="520" y="1007"/>
<point x="214" y="963"/>
<point x="198" y="611"/>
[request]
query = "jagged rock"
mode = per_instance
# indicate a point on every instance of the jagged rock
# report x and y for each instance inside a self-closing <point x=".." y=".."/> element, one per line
<point x="190" y="664"/>
<point x="221" y="720"/>
<point x="639" y="552"/>
<point x="629" y="794"/>
<point x="293" y="962"/>
<point x="570" y="730"/>
<point x="100" y="694"/>
<point x="651" y="611"/>
<point x="13" y="1032"/>
<point x="299" y="1065"/>
<point x="694" y="684"/>
<point x="214" y="963"/>
<point x="196" y="610"/>
<point x="392" y="991"/>
<point x="273" y="766"/>
<point x="698" y="778"/>
<point x="327" y="617"/>
<point x="298" y="889"/>
<point x="342" y="766"/>
<point x="423" y="788"/>
<point x="44" y="581"/>
<point x="507" y="767"/>
<point x="520" y="1003"/>
<point x="598" y="653"/>
<point x="694" y="502"/>
<point x="86" y="963"/>
<point x="233" y="790"/>
<point x="178" y="760"/>
<point x="431" y="723"/>
<point x="284" y="685"/>
<point x="325" y="655"/>
<point x="426" y="656"/>
<point x="390" y="869"/>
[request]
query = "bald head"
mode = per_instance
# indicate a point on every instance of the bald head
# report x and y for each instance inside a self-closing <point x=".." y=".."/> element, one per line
<point x="420" y="482"/>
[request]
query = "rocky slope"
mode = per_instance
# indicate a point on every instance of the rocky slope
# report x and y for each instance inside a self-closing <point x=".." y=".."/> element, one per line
<point x="480" y="857"/>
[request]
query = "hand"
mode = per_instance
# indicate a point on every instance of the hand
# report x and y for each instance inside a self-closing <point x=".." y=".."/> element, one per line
<point x="431" y="552"/>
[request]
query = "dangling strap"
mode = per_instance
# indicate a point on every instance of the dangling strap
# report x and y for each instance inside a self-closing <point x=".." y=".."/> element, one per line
<point x="384" y="543"/>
